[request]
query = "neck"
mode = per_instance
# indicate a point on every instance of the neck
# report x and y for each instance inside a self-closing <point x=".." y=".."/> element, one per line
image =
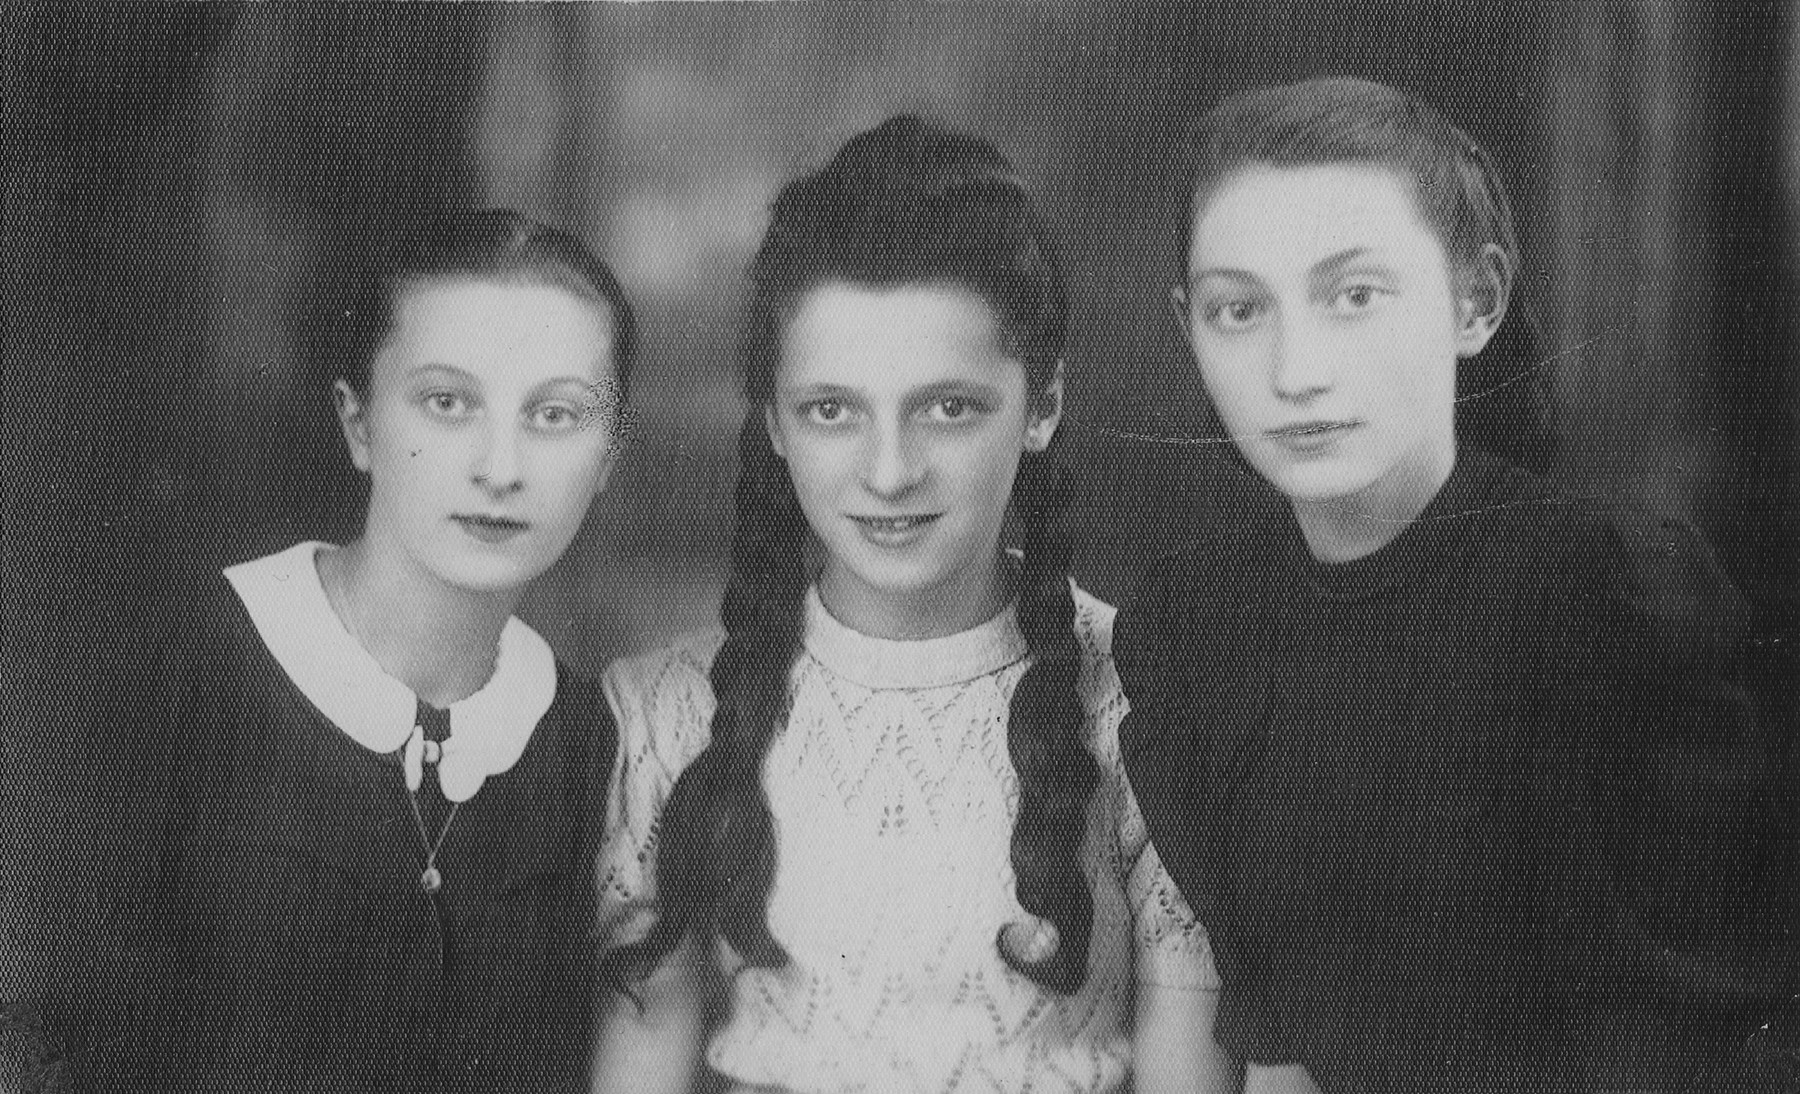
<point x="1357" y="525"/>
<point x="438" y="640"/>
<point x="960" y="603"/>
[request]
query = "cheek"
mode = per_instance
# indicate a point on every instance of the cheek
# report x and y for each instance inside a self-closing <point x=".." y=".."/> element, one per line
<point x="986" y="466"/>
<point x="1426" y="375"/>
<point x="1229" y="380"/>
<point x="406" y="445"/>
<point x="816" y="469"/>
<point x="580" y="476"/>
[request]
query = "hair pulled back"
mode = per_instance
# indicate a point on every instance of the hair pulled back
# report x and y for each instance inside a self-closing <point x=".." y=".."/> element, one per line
<point x="903" y="204"/>
<point x="1457" y="190"/>
<point x="490" y="245"/>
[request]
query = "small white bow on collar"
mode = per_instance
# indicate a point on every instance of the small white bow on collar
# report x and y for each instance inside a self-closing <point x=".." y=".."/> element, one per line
<point x="488" y="730"/>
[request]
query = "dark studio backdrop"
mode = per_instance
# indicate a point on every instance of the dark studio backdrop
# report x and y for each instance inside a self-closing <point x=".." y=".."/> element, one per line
<point x="187" y="185"/>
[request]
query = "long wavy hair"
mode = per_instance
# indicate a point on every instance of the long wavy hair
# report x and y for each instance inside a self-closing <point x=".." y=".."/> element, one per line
<point x="903" y="204"/>
<point x="1502" y="393"/>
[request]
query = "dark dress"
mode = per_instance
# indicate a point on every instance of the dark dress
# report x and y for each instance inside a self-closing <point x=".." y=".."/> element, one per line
<point x="298" y="948"/>
<point x="1460" y="815"/>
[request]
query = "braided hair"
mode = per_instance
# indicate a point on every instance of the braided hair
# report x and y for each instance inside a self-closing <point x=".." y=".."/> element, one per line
<point x="905" y="203"/>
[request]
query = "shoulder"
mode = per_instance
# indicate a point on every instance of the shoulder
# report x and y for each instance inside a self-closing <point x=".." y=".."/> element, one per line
<point x="678" y="670"/>
<point x="1102" y="697"/>
<point x="1235" y="559"/>
<point x="1622" y="597"/>
<point x="662" y="701"/>
<point x="199" y="641"/>
<point x="579" y="713"/>
<point x="1093" y="624"/>
<point x="1197" y="596"/>
<point x="1623" y="563"/>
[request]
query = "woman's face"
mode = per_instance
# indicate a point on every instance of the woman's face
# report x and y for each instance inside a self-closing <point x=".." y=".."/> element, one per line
<point x="902" y="418"/>
<point x="486" y="429"/>
<point x="1327" y="327"/>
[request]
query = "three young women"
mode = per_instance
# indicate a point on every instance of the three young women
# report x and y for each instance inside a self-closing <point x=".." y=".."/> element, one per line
<point x="384" y="789"/>
<point x="1431" y="749"/>
<point x="885" y="807"/>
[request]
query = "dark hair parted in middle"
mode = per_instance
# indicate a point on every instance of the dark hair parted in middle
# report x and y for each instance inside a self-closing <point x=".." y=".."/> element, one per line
<point x="907" y="203"/>
<point x="1502" y="401"/>
<point x="492" y="245"/>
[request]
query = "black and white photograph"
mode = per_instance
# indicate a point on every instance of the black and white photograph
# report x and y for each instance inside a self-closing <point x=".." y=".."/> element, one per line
<point x="900" y="547"/>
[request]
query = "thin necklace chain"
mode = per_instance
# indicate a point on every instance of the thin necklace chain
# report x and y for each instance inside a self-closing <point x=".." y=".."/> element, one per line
<point x="430" y="880"/>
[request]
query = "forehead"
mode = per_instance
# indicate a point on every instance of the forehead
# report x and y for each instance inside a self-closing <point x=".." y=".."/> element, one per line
<point x="878" y="339"/>
<point x="1264" y="216"/>
<point x="496" y="329"/>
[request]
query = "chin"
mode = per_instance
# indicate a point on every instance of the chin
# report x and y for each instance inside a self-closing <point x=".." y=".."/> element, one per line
<point x="487" y="575"/>
<point x="1316" y="481"/>
<point x="900" y="581"/>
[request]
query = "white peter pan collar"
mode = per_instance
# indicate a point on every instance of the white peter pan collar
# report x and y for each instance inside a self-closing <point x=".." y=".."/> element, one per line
<point x="488" y="731"/>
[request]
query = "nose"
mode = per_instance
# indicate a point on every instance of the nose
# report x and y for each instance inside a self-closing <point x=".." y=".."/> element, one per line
<point x="497" y="467"/>
<point x="892" y="464"/>
<point x="1302" y="367"/>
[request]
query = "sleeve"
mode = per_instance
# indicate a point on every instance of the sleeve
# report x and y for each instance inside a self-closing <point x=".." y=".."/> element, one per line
<point x="1160" y="761"/>
<point x="1647" y="749"/>
<point x="193" y="1004"/>
<point x="1192" y="649"/>
<point x="1171" y="947"/>
<point x="133" y="997"/>
<point x="663" y="706"/>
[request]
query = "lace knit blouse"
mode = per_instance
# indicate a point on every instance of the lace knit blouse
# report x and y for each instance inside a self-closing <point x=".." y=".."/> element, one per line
<point x="894" y="797"/>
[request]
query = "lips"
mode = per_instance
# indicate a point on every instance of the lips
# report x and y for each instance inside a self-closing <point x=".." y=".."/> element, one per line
<point x="1313" y="436"/>
<point x="488" y="528"/>
<point x="895" y="531"/>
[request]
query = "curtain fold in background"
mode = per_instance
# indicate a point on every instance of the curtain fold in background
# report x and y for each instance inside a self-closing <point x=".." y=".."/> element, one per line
<point x="1632" y="256"/>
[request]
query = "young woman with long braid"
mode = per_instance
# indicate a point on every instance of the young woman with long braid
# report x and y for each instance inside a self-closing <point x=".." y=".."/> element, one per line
<point x="886" y="806"/>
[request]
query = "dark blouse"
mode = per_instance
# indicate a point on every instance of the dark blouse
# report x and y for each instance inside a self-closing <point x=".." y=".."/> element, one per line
<point x="299" y="950"/>
<point x="1450" y="812"/>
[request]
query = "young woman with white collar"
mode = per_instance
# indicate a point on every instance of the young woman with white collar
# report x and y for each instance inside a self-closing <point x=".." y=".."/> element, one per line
<point x="378" y="867"/>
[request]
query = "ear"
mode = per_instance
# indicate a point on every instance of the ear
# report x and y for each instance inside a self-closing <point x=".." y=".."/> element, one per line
<point x="1482" y="299"/>
<point x="1046" y="414"/>
<point x="353" y="419"/>
<point x="774" y="428"/>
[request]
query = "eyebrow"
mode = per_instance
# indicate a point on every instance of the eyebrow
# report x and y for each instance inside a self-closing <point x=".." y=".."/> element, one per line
<point x="925" y="393"/>
<point x="1325" y="267"/>
<point x="1334" y="263"/>
<point x="437" y="366"/>
<point x="465" y="376"/>
<point x="1222" y="271"/>
<point x="815" y="391"/>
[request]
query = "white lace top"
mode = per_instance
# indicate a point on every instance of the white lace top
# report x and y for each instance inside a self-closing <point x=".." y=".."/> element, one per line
<point x="893" y="797"/>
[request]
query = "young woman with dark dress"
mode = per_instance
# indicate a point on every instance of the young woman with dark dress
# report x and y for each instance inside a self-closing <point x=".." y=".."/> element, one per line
<point x="1430" y="748"/>
<point x="384" y="789"/>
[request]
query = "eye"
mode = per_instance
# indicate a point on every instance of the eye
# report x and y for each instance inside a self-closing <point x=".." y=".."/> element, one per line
<point x="826" y="412"/>
<point x="1238" y="313"/>
<point x="1356" y="298"/>
<point x="448" y="404"/>
<point x="555" y="417"/>
<point x="954" y="408"/>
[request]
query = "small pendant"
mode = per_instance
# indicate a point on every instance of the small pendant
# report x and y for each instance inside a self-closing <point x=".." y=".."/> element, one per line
<point x="431" y="881"/>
